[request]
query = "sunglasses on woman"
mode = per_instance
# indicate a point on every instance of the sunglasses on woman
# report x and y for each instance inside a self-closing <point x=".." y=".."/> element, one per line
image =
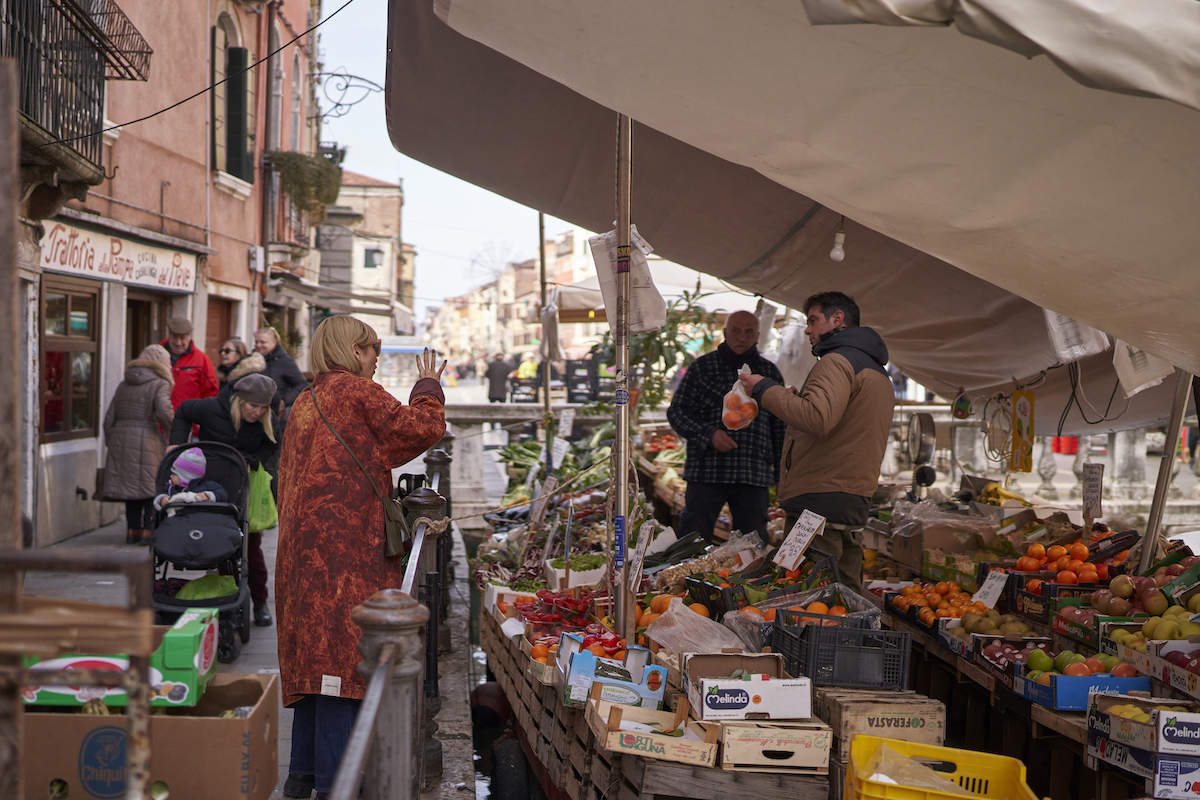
<point x="378" y="347"/>
<point x="225" y="351"/>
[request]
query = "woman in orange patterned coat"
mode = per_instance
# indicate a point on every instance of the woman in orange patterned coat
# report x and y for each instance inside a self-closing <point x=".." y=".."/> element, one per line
<point x="330" y="557"/>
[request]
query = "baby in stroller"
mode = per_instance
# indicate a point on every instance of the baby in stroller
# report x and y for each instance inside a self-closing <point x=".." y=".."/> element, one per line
<point x="187" y="483"/>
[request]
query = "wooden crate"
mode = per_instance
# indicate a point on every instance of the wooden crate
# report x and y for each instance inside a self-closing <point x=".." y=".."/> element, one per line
<point x="907" y="716"/>
<point x="837" y="778"/>
<point x="633" y="778"/>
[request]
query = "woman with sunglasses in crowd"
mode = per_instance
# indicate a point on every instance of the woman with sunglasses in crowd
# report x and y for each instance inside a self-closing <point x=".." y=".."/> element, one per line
<point x="331" y="532"/>
<point x="237" y="360"/>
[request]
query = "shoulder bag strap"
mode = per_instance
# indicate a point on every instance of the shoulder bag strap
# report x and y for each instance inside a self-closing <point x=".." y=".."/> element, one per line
<point x="343" y="441"/>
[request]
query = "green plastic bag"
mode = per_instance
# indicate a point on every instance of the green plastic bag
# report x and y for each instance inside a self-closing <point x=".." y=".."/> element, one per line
<point x="207" y="587"/>
<point x="262" y="505"/>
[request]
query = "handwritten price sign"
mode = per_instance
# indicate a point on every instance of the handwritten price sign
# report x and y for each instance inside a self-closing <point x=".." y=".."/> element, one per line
<point x="791" y="552"/>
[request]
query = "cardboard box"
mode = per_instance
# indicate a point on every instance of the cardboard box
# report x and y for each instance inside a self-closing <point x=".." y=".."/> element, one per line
<point x="494" y="593"/>
<point x="557" y="578"/>
<point x="546" y="674"/>
<point x="795" y="747"/>
<point x="1176" y="777"/>
<point x="1168" y="731"/>
<point x="197" y="754"/>
<point x="944" y="536"/>
<point x="1167" y="776"/>
<point x="629" y="729"/>
<point x="906" y="716"/>
<point x="1131" y="759"/>
<point x="715" y="697"/>
<point x="182" y="664"/>
<point x="1070" y="693"/>
<point x="632" y="682"/>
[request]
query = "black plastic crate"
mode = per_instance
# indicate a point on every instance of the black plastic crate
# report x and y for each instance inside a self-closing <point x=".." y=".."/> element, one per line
<point x="841" y="655"/>
<point x="722" y="599"/>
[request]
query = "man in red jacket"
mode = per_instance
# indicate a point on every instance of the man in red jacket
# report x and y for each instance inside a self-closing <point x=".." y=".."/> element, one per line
<point x="195" y="376"/>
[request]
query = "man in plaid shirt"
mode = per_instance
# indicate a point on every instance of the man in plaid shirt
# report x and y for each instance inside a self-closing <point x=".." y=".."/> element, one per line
<point x="724" y="466"/>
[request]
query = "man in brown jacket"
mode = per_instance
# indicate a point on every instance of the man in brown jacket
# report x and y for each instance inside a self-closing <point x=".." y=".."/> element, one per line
<point x="838" y="427"/>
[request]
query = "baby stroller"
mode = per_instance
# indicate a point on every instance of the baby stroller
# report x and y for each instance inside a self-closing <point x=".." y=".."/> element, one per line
<point x="204" y="536"/>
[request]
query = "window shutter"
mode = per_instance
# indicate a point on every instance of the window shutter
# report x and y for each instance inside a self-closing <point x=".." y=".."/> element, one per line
<point x="238" y="127"/>
<point x="251" y="83"/>
<point x="218" y="99"/>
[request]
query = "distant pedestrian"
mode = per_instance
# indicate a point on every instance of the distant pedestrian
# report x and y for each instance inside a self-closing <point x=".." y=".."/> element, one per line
<point x="237" y="360"/>
<point x="497" y="378"/>
<point x="195" y="376"/>
<point x="135" y="428"/>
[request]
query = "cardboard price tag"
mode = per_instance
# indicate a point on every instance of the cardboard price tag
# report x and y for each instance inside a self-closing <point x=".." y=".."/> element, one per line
<point x="566" y="421"/>
<point x="645" y="534"/>
<point x="560" y="449"/>
<point x="791" y="552"/>
<point x="531" y="476"/>
<point x="1093" y="490"/>
<point x="993" y="587"/>
<point x="539" y="508"/>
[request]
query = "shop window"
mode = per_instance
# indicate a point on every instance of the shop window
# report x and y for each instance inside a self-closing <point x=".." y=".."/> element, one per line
<point x="69" y="372"/>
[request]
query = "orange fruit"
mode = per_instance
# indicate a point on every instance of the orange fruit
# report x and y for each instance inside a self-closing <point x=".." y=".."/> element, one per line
<point x="1075" y="565"/>
<point x="598" y="651"/>
<point x="941" y="587"/>
<point x="1066" y="576"/>
<point x="700" y="609"/>
<point x="502" y="607"/>
<point x="1036" y="551"/>
<point x="1034" y="586"/>
<point x="723" y="573"/>
<point x="724" y="586"/>
<point x="659" y="603"/>
<point x="1079" y="550"/>
<point x="769" y="615"/>
<point x="837" y="611"/>
<point x="792" y="574"/>
<point x="619" y="655"/>
<point x="817" y="608"/>
<point x="901" y="602"/>
<point x="539" y="651"/>
<point x="933" y="598"/>
<point x="540" y="659"/>
<point x="1089" y="576"/>
<point x="752" y="611"/>
<point x="649" y="617"/>
<point x="638" y="611"/>
<point x="1056" y="552"/>
<point x="1062" y="563"/>
<point x="909" y="591"/>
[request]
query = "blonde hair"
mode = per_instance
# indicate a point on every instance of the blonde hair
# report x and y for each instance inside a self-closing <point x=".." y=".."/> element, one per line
<point x="235" y="413"/>
<point x="274" y="333"/>
<point x="334" y="342"/>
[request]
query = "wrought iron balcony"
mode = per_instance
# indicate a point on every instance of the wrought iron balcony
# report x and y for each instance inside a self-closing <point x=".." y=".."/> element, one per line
<point x="65" y="49"/>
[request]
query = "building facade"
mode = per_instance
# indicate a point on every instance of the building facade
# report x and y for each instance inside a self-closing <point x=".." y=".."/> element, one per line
<point x="177" y="214"/>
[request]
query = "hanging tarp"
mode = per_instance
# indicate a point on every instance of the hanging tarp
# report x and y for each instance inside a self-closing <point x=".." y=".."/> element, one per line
<point x="978" y="186"/>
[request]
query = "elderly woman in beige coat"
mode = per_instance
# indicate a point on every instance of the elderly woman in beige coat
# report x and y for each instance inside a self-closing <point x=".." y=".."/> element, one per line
<point x="136" y="428"/>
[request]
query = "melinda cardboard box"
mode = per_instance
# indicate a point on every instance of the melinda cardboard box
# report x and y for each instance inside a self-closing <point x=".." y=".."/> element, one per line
<point x="196" y="753"/>
<point x="181" y="666"/>
<point x="766" y="695"/>
<point x="1167" y="776"/>
<point x="1173" y="726"/>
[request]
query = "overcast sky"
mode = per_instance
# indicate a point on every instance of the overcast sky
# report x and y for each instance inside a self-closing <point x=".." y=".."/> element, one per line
<point x="450" y="222"/>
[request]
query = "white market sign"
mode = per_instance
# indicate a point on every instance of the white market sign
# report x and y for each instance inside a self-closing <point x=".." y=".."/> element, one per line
<point x="102" y="256"/>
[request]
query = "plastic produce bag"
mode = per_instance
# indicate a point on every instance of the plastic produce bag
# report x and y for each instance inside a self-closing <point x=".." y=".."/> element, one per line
<point x="889" y="766"/>
<point x="261" y="506"/>
<point x="1138" y="370"/>
<point x="739" y="549"/>
<point x="682" y="630"/>
<point x="756" y="632"/>
<point x="647" y="309"/>
<point x="208" y="587"/>
<point x="738" y="409"/>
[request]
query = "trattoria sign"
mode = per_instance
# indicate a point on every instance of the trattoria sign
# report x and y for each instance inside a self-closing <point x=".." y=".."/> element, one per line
<point x="102" y="256"/>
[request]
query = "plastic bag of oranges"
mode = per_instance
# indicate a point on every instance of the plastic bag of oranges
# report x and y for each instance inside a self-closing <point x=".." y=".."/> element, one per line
<point x="738" y="409"/>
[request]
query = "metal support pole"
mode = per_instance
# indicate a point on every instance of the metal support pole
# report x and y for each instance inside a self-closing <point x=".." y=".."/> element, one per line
<point x="547" y="417"/>
<point x="625" y="616"/>
<point x="1183" y="384"/>
<point x="391" y="617"/>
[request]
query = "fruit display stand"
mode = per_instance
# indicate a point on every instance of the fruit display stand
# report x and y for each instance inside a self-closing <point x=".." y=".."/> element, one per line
<point x="564" y="755"/>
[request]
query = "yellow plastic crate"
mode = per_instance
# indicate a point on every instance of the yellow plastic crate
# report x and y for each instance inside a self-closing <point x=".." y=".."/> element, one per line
<point x="980" y="773"/>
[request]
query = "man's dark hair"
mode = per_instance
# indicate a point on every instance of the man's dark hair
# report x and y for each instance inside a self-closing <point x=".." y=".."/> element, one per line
<point x="829" y="302"/>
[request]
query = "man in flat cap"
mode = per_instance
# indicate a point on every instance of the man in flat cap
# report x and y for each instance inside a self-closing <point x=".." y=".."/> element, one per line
<point x="195" y="376"/>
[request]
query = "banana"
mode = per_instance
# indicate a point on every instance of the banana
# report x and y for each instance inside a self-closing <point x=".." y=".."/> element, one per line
<point x="95" y="707"/>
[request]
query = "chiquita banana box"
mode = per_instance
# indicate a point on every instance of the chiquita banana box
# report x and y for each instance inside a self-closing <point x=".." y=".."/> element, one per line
<point x="180" y="668"/>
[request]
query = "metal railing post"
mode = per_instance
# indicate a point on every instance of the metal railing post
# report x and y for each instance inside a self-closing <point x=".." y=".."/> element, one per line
<point x="437" y="471"/>
<point x="425" y="502"/>
<point x="392" y="618"/>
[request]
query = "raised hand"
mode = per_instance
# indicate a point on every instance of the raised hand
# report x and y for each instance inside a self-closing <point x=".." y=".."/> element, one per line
<point x="427" y="365"/>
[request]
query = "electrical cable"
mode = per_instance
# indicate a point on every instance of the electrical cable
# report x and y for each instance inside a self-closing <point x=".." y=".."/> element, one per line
<point x="1077" y="391"/>
<point x="200" y="93"/>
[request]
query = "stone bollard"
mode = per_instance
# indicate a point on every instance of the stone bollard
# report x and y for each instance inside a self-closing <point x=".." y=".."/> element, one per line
<point x="437" y="463"/>
<point x="394" y="766"/>
<point x="425" y="502"/>
<point x="1046" y="470"/>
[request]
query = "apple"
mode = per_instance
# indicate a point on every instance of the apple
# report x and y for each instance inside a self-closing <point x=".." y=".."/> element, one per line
<point x="1177" y="657"/>
<point x="1063" y="658"/>
<point x="1189" y="561"/>
<point x="1039" y="659"/>
<point x="1156" y="603"/>
<point x="1192" y="665"/>
<point x="1120" y="607"/>
<point x="1162" y="580"/>
<point x="1176" y="569"/>
<point x="1101" y="599"/>
<point x="1122" y="586"/>
<point x="1124" y="670"/>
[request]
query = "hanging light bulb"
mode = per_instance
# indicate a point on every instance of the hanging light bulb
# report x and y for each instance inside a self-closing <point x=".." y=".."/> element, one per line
<point x="839" y="240"/>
